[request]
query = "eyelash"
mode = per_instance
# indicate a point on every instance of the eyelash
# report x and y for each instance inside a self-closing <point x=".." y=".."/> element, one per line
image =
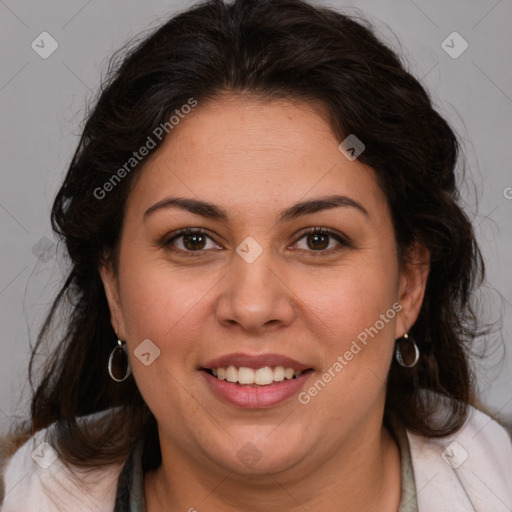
<point x="343" y="241"/>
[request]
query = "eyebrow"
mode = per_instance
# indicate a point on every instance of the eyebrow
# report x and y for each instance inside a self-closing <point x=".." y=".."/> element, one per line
<point x="212" y="211"/>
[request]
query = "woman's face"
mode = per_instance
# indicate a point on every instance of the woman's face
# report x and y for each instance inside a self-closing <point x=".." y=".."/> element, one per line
<point x="255" y="286"/>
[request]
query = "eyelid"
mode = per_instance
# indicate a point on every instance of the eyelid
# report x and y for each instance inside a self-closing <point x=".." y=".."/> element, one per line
<point x="343" y="240"/>
<point x="319" y="229"/>
<point x="167" y="240"/>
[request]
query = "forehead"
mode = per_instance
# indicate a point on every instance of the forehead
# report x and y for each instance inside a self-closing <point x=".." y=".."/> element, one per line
<point x="238" y="150"/>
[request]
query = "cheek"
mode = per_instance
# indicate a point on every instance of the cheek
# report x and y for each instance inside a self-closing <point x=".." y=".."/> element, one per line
<point x="353" y="323"/>
<point x="158" y="301"/>
<point x="169" y="311"/>
<point x="161" y="308"/>
<point x="350" y="299"/>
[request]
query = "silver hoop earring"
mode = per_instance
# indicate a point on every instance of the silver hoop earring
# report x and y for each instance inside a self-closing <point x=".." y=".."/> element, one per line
<point x="118" y="363"/>
<point x="399" y="356"/>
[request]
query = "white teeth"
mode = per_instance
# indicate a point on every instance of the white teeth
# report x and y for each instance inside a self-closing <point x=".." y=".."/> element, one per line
<point x="245" y="375"/>
<point x="231" y="374"/>
<point x="261" y="377"/>
<point x="279" y="374"/>
<point x="288" y="373"/>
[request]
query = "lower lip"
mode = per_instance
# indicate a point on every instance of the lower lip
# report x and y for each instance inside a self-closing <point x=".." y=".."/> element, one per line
<point x="254" y="397"/>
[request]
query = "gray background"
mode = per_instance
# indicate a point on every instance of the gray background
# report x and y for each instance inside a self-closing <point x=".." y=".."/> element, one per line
<point x="43" y="103"/>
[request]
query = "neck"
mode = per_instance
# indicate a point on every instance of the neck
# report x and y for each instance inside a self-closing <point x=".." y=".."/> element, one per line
<point x="363" y="474"/>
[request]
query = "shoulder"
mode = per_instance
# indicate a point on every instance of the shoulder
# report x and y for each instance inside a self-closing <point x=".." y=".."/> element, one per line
<point x="35" y="479"/>
<point x="468" y="470"/>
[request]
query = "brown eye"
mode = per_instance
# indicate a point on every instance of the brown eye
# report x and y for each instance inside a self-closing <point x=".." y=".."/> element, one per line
<point x="190" y="240"/>
<point x="195" y="241"/>
<point x="322" y="240"/>
<point x="317" y="241"/>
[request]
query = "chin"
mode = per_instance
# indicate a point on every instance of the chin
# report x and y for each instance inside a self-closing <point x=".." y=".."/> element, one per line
<point x="261" y="455"/>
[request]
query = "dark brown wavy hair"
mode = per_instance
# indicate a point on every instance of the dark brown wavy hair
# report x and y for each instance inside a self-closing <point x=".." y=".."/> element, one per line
<point x="270" y="49"/>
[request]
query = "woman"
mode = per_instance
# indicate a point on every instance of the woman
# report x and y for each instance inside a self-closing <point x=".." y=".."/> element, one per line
<point x="270" y="285"/>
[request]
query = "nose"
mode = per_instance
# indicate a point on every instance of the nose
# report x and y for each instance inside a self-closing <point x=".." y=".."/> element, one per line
<point x="255" y="296"/>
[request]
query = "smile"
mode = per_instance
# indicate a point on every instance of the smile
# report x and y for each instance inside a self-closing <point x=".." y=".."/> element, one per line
<point x="253" y="395"/>
<point x="264" y="376"/>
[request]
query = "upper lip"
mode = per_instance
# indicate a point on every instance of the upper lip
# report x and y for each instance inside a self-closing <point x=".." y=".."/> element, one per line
<point x="255" y="361"/>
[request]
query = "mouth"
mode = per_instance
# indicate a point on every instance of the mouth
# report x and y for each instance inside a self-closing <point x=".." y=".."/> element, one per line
<point x="255" y="382"/>
<point x="255" y="377"/>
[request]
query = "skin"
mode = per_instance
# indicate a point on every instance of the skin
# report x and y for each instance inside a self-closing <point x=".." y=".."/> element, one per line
<point x="300" y="297"/>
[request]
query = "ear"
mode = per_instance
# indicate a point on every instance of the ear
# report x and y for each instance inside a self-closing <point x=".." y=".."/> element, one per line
<point x="111" y="286"/>
<point x="413" y="281"/>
